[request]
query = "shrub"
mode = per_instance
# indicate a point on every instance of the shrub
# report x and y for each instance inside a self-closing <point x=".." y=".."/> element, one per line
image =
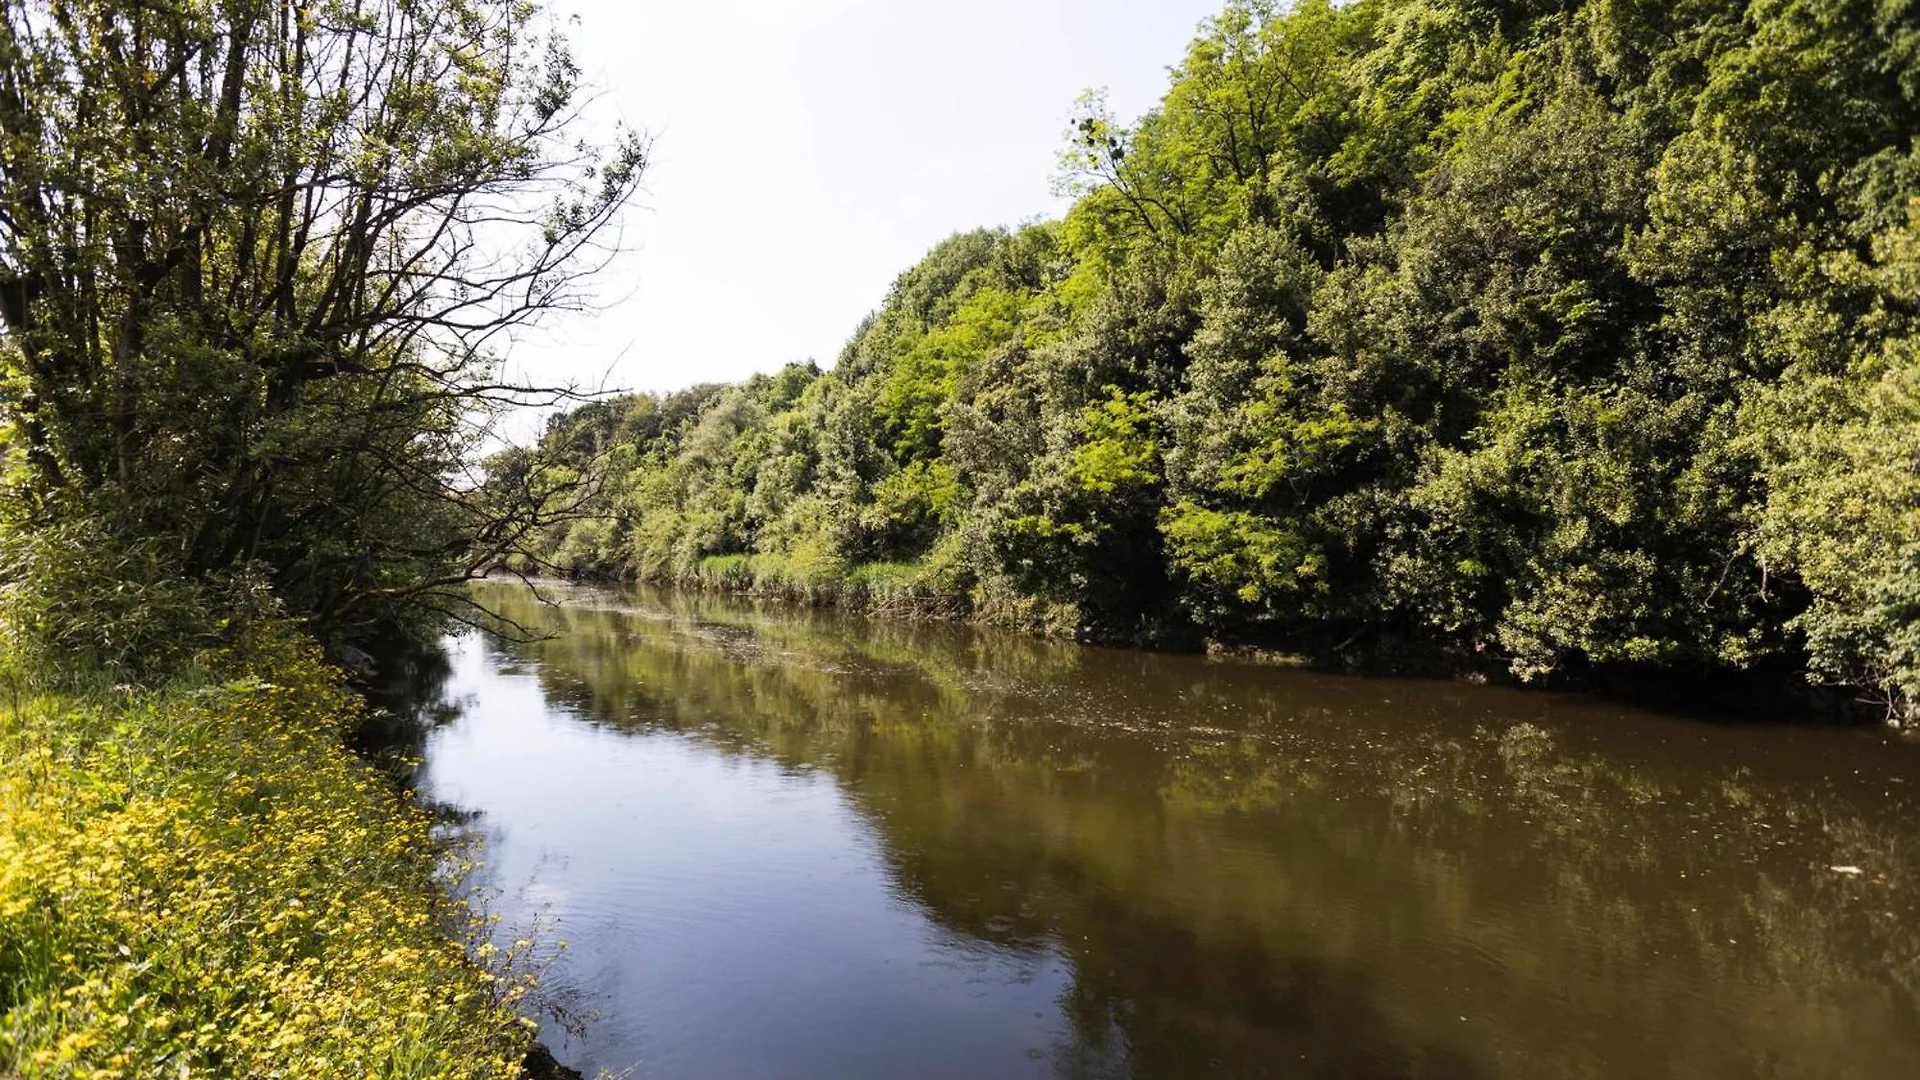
<point x="76" y="598"/>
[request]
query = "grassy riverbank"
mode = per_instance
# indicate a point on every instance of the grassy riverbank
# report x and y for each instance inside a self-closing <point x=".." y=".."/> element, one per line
<point x="226" y="413"/>
<point x="201" y="880"/>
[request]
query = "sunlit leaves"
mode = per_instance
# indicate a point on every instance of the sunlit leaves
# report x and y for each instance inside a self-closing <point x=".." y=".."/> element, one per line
<point x="257" y="261"/>
<point x="1534" y="337"/>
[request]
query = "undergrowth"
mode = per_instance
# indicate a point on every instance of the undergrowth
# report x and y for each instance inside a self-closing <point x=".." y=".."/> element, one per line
<point x="200" y="880"/>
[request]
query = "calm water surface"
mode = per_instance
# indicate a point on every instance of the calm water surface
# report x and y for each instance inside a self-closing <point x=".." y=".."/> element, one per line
<point x="793" y="845"/>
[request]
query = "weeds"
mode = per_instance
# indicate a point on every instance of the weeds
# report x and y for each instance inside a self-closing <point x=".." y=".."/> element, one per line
<point x="201" y="881"/>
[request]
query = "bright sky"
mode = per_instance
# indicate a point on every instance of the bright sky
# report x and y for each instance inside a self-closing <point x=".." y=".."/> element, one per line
<point x="808" y="151"/>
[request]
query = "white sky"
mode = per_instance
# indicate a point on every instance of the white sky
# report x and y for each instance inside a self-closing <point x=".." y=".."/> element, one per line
<point x="808" y="152"/>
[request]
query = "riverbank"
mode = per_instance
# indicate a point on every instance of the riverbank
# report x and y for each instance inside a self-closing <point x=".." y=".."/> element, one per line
<point x="201" y="879"/>
<point x="914" y="590"/>
<point x="1773" y="691"/>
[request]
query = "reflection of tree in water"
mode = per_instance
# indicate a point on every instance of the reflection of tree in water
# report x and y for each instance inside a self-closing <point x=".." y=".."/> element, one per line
<point x="1267" y="875"/>
<point x="406" y="700"/>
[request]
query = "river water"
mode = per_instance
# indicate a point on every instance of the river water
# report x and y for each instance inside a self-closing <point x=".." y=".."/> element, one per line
<point x="787" y="844"/>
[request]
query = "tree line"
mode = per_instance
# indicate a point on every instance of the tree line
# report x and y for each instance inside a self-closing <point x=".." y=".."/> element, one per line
<point x="1550" y="336"/>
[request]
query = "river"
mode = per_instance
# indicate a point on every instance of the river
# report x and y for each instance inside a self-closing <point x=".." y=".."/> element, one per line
<point x="792" y="844"/>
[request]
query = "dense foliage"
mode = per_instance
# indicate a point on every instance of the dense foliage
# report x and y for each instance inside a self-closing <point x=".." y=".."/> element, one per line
<point x="205" y="882"/>
<point x="256" y="258"/>
<point x="1545" y="335"/>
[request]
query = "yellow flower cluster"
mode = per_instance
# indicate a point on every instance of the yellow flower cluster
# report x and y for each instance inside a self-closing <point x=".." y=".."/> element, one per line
<point x="205" y="882"/>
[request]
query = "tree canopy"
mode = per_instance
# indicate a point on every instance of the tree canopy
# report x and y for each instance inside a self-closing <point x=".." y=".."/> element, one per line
<point x="1551" y="336"/>
<point x="257" y="262"/>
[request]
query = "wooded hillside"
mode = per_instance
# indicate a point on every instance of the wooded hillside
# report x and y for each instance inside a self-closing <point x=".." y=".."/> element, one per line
<point x="1537" y="335"/>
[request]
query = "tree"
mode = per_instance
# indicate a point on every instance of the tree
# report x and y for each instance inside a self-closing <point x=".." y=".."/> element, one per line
<point x="1545" y="336"/>
<point x="257" y="258"/>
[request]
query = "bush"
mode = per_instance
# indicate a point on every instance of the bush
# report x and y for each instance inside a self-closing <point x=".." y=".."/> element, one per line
<point x="1875" y="645"/>
<point x="74" y="598"/>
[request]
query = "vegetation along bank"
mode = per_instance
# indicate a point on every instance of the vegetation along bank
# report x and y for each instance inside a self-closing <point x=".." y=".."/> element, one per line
<point x="257" y="259"/>
<point x="1545" y="336"/>
<point x="201" y="880"/>
<point x="1554" y="337"/>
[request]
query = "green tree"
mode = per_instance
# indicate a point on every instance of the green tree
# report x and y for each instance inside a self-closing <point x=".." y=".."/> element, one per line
<point x="255" y="262"/>
<point x="1542" y="337"/>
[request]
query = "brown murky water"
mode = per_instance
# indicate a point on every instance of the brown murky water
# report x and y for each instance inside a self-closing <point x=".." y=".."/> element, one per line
<point x="796" y="845"/>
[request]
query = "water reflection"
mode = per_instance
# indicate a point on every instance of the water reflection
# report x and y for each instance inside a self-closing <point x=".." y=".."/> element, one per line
<point x="795" y="844"/>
